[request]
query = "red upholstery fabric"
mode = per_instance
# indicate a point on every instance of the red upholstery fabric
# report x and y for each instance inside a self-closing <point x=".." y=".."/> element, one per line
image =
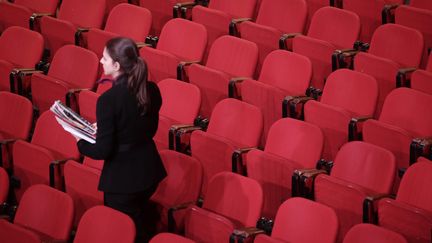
<point x="18" y="13"/>
<point x="226" y="132"/>
<point x="410" y="213"/>
<point x="302" y="220"/>
<point x="72" y="14"/>
<point x="229" y="57"/>
<point x="13" y="233"/>
<point x="284" y="152"/>
<point x="232" y="201"/>
<point x="81" y="183"/>
<point x="46" y="211"/>
<point x="217" y="17"/>
<point x="162" y="12"/>
<point x="420" y="19"/>
<point x="274" y="19"/>
<point x="4" y="185"/>
<point x="422" y="80"/>
<point x="182" y="185"/>
<point x="392" y="47"/>
<point x="19" y="48"/>
<point x="313" y="6"/>
<point x="283" y="73"/>
<point x="359" y="170"/>
<point x="347" y="94"/>
<point x="396" y="126"/>
<point x="180" y="40"/>
<point x="424" y="4"/>
<point x="103" y="224"/>
<point x="71" y="68"/>
<point x="330" y="29"/>
<point x="137" y="20"/>
<point x="181" y="102"/>
<point x="369" y="13"/>
<point x="371" y="233"/>
<point x="16" y="116"/>
<point x="87" y="101"/>
<point x="50" y="142"/>
<point x="168" y="238"/>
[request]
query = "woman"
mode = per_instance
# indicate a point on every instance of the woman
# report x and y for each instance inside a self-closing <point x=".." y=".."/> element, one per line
<point x="127" y="119"/>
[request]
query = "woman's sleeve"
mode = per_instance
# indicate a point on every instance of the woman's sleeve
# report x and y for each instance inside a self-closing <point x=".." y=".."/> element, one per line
<point x="103" y="147"/>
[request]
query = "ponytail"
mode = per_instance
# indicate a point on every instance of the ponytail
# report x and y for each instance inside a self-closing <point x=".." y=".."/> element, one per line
<point x="137" y="84"/>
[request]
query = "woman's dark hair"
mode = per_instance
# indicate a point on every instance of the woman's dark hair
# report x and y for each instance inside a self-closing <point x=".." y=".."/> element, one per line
<point x="125" y="52"/>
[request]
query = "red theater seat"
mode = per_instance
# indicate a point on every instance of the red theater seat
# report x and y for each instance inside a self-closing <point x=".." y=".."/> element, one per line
<point x="232" y="202"/>
<point x="229" y="58"/>
<point x="291" y="145"/>
<point x="102" y="224"/>
<point x="410" y="214"/>
<point x="180" y="43"/>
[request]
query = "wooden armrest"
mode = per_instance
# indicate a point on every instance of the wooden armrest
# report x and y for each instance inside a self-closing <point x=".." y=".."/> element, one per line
<point x="180" y="132"/>
<point x="73" y="92"/>
<point x="172" y="132"/>
<point x="18" y="74"/>
<point x="420" y="147"/>
<point x="78" y="34"/>
<point x="387" y="14"/>
<point x="35" y="16"/>
<point x="142" y="44"/>
<point x="302" y="182"/>
<point x="355" y="128"/>
<point x="240" y="235"/>
<point x="291" y="106"/>
<point x="284" y="37"/>
<point x="237" y="157"/>
<point x="55" y="164"/>
<point x="403" y="78"/>
<point x="369" y="212"/>
<point x="361" y="46"/>
<point x="232" y="87"/>
<point x="343" y="58"/>
<point x="181" y="70"/>
<point x="171" y="210"/>
<point x="182" y="8"/>
<point x="233" y="30"/>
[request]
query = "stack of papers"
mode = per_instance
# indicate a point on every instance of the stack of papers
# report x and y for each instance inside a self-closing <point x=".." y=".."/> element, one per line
<point x="73" y="123"/>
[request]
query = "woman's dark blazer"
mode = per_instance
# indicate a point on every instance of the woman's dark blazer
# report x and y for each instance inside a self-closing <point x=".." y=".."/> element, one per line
<point x="125" y="140"/>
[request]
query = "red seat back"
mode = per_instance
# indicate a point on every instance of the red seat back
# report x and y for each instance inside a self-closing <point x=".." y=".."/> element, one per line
<point x="405" y="47"/>
<point x="50" y="135"/>
<point x="290" y="138"/>
<point x="288" y="71"/>
<point x="46" y="210"/>
<point x="415" y="188"/>
<point x="408" y="109"/>
<point x="184" y="39"/>
<point x="226" y="188"/>
<point x="16" y="116"/>
<point x="318" y="223"/>
<point x="237" y="9"/>
<point x="237" y="121"/>
<point x="233" y="56"/>
<point x="21" y="47"/>
<point x="336" y="26"/>
<point x="353" y="91"/>
<point x="103" y="224"/>
<point x="83" y="13"/>
<point x="181" y="101"/>
<point x="373" y="234"/>
<point x="286" y="16"/>
<point x="366" y="165"/>
<point x="137" y="20"/>
<point x="75" y="66"/>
